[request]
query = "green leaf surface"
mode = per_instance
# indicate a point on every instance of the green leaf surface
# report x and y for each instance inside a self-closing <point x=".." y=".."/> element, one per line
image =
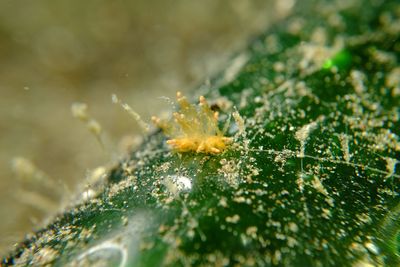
<point x="311" y="181"/>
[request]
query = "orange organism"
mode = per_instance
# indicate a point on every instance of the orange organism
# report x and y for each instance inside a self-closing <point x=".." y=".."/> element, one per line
<point x="194" y="128"/>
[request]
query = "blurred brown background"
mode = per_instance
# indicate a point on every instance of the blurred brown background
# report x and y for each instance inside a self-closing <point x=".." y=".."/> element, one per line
<point x="54" y="53"/>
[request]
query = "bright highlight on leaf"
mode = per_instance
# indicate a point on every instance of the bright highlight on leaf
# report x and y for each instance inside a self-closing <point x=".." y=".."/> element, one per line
<point x="340" y="60"/>
<point x="194" y="128"/>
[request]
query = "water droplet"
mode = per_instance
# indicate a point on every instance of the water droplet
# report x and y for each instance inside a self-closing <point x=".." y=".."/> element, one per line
<point x="178" y="184"/>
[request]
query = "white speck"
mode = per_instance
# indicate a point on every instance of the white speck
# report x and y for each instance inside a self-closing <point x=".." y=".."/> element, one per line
<point x="293" y="227"/>
<point x="233" y="219"/>
<point x="393" y="80"/>
<point x="88" y="194"/>
<point x="222" y="202"/>
<point x="372" y="248"/>
<point x="178" y="184"/>
<point x="277" y="257"/>
<point x="252" y="231"/>
<point x="80" y="111"/>
<point x="316" y="183"/>
<point x="292" y="242"/>
<point x="114" y="98"/>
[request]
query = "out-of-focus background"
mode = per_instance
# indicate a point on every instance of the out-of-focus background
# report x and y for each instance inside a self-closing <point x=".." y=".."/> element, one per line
<point x="54" y="53"/>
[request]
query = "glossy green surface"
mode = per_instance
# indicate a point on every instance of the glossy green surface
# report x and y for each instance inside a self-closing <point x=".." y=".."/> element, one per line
<point x="311" y="181"/>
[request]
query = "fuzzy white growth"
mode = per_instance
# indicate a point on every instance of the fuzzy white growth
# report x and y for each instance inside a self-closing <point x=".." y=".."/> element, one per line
<point x="94" y="127"/>
<point x="239" y="122"/>
<point x="94" y="183"/>
<point x="27" y="171"/>
<point x="80" y="111"/>
<point x="36" y="200"/>
<point x="304" y="132"/>
<point x="344" y="142"/>
<point x="143" y="126"/>
<point x="39" y="185"/>
<point x="302" y="135"/>
<point x="390" y="166"/>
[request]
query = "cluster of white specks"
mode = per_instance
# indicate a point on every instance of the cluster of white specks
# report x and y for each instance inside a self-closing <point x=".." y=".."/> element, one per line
<point x="230" y="170"/>
<point x="192" y="227"/>
<point x="293" y="227"/>
<point x="344" y="142"/>
<point x="393" y="81"/>
<point x="88" y="194"/>
<point x="239" y="123"/>
<point x="279" y="66"/>
<point x="252" y="231"/>
<point x="42" y="252"/>
<point x="129" y="182"/>
<point x="164" y="167"/>
<point x="384" y="57"/>
<point x="45" y="254"/>
<point x="326" y="213"/>
<point x="218" y="259"/>
<point x="241" y="199"/>
<point x="302" y="135"/>
<point x="357" y="80"/>
<point x="232" y="219"/>
<point x="300" y="89"/>
<point x="319" y="36"/>
<point x="316" y="183"/>
<point x="222" y="202"/>
<point x="364" y="218"/>
<point x="314" y="55"/>
<point x="178" y="184"/>
<point x="292" y="242"/>
<point x="382" y="140"/>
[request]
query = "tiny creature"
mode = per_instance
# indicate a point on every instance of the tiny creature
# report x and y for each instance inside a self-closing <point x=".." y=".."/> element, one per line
<point x="194" y="129"/>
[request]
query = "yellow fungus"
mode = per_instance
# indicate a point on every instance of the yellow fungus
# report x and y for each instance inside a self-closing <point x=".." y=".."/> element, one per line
<point x="194" y="129"/>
